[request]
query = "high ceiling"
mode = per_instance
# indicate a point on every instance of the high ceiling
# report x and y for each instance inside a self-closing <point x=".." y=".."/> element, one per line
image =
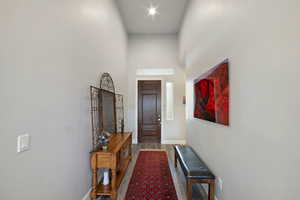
<point x="137" y="21"/>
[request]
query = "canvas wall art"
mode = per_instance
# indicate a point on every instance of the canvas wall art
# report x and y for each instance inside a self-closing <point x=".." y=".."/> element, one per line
<point x="212" y="95"/>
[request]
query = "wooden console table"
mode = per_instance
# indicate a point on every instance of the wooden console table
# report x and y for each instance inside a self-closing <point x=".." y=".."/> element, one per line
<point x="116" y="158"/>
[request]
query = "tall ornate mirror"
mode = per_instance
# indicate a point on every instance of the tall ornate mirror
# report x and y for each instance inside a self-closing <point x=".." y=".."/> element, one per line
<point x="107" y="109"/>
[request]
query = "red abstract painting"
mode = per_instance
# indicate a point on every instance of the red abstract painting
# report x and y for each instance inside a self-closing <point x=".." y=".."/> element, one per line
<point x="212" y="95"/>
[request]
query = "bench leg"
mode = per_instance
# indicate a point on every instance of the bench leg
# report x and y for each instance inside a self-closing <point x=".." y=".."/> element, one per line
<point x="211" y="191"/>
<point x="189" y="189"/>
<point x="175" y="159"/>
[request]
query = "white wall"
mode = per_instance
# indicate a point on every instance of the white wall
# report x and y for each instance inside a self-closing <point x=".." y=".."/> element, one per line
<point x="258" y="156"/>
<point x="157" y="51"/>
<point x="50" y="52"/>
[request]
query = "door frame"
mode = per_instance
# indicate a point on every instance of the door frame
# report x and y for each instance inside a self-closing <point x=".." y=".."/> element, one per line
<point x="162" y="107"/>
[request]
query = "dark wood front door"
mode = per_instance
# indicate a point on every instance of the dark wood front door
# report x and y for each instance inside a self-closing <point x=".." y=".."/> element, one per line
<point x="149" y="111"/>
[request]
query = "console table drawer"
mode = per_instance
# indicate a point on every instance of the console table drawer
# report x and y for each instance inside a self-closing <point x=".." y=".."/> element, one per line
<point x="105" y="161"/>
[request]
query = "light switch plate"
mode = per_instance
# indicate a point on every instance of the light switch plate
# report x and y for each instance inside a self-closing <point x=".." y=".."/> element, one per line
<point x="23" y="143"/>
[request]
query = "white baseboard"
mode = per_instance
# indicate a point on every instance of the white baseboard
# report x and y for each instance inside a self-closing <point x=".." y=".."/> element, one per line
<point x="173" y="141"/>
<point x="87" y="195"/>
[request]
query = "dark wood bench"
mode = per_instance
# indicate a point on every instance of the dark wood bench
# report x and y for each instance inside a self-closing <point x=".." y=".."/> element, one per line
<point x="194" y="169"/>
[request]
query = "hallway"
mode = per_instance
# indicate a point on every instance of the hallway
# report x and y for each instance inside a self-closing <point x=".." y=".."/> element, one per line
<point x="243" y="120"/>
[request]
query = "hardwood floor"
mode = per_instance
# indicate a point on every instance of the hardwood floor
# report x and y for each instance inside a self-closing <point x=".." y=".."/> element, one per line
<point x="178" y="178"/>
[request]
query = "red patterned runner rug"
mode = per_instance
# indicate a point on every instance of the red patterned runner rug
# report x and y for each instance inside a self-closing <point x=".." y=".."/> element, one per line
<point x="151" y="178"/>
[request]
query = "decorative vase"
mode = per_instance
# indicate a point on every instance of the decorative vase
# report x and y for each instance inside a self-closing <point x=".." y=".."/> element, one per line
<point x="105" y="147"/>
<point x="106" y="177"/>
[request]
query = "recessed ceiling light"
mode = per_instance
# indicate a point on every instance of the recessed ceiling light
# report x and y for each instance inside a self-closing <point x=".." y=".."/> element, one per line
<point x="152" y="11"/>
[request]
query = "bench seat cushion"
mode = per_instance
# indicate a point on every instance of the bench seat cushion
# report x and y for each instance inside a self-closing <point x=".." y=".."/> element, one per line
<point x="191" y="163"/>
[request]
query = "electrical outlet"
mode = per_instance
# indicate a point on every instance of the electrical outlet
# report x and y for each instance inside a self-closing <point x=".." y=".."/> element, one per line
<point x="23" y="143"/>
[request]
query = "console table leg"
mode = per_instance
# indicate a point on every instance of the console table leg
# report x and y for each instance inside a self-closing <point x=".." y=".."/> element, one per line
<point x="113" y="184"/>
<point x="114" y="195"/>
<point x="94" y="184"/>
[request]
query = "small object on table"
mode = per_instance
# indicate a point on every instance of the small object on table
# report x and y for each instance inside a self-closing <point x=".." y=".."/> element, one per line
<point x="104" y="140"/>
<point x="106" y="177"/>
